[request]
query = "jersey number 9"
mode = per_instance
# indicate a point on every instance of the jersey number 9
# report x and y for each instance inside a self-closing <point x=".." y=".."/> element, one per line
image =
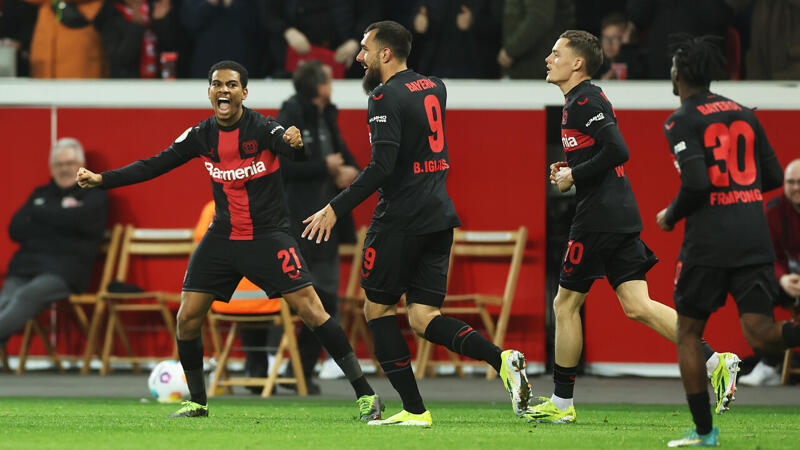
<point x="434" y="111"/>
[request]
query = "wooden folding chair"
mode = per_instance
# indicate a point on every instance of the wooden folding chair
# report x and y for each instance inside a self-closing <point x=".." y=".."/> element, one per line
<point x="4" y="360"/>
<point x="150" y="243"/>
<point x="502" y="246"/>
<point x="109" y="249"/>
<point x="283" y="319"/>
<point x="787" y="358"/>
<point x="353" y="321"/>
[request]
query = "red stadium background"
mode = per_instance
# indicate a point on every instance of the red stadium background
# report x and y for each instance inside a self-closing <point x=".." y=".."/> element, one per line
<point x="497" y="181"/>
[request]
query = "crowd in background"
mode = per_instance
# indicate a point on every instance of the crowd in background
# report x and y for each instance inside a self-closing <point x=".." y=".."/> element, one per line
<point x="452" y="38"/>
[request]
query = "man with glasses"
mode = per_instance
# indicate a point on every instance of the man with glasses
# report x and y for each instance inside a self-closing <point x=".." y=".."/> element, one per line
<point x="59" y="230"/>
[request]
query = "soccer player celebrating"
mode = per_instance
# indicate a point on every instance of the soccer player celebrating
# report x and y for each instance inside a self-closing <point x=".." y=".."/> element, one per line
<point x="604" y="238"/>
<point x="407" y="249"/>
<point x="250" y="232"/>
<point x="725" y="163"/>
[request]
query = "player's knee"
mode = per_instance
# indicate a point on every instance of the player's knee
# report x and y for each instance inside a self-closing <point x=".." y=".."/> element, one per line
<point x="419" y="320"/>
<point x="635" y="311"/>
<point x="187" y="325"/>
<point x="308" y="306"/>
<point x="565" y="306"/>
<point x="759" y="333"/>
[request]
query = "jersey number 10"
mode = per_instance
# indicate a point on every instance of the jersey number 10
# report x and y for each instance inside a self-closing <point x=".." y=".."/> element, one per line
<point x="726" y="147"/>
<point x="434" y="111"/>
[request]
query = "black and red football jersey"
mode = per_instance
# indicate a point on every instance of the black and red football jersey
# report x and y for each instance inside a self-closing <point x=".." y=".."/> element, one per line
<point x="242" y="162"/>
<point x="406" y="118"/>
<point x="726" y="226"/>
<point x="605" y="200"/>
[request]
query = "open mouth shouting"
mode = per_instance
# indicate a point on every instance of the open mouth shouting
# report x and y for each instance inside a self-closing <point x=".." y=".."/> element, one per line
<point x="224" y="104"/>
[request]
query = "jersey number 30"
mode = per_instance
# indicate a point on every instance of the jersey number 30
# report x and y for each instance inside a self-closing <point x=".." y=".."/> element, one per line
<point x="434" y="111"/>
<point x="727" y="144"/>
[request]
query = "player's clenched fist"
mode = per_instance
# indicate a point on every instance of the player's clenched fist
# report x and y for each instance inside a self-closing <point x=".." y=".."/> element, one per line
<point x="292" y="137"/>
<point x="88" y="179"/>
<point x="554" y="168"/>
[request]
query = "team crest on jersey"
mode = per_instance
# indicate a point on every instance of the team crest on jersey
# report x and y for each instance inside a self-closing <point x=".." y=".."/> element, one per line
<point x="564" y="116"/>
<point x="250" y="146"/>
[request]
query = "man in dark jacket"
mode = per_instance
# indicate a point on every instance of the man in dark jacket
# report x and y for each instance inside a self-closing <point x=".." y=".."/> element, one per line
<point x="59" y="229"/>
<point x="310" y="184"/>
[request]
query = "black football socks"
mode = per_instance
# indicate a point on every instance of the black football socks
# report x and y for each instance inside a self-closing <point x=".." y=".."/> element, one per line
<point x="564" y="380"/>
<point x="332" y="337"/>
<point x="701" y="412"/>
<point x="191" y="354"/>
<point x="708" y="352"/>
<point x="395" y="360"/>
<point x="463" y="339"/>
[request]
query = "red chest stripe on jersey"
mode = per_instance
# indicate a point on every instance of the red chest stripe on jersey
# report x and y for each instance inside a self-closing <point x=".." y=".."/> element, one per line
<point x="238" y="201"/>
<point x="574" y="139"/>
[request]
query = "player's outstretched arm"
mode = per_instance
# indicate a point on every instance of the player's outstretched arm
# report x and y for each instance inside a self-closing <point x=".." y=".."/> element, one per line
<point x="288" y="142"/>
<point x="293" y="138"/>
<point x="320" y="224"/>
<point x="88" y="179"/>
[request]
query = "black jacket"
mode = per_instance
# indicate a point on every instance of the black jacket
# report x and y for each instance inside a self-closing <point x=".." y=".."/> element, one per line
<point x="58" y="240"/>
<point x="308" y="185"/>
<point x="122" y="40"/>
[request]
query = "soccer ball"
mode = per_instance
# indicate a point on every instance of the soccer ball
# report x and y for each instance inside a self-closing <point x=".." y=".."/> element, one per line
<point x="167" y="382"/>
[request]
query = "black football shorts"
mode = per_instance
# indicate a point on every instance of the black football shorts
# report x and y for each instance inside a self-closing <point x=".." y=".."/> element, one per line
<point x="273" y="263"/>
<point x="700" y="290"/>
<point x="395" y="263"/>
<point x="619" y="257"/>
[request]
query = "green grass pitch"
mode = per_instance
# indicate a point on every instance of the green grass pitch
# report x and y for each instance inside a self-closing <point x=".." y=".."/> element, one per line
<point x="86" y="423"/>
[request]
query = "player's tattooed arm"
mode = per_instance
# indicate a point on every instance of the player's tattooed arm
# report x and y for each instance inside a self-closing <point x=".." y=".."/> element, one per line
<point x="320" y="224"/>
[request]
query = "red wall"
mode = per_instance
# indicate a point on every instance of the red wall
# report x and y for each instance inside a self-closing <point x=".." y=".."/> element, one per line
<point x="497" y="182"/>
<point x="610" y="337"/>
<point x="490" y="183"/>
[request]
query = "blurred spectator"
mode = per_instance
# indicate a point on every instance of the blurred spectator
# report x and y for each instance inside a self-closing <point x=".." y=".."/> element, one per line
<point x="774" y="52"/>
<point x="458" y="38"/>
<point x="660" y="19"/>
<point x="401" y="11"/>
<point x="621" y="58"/>
<point x="65" y="44"/>
<point x="223" y="29"/>
<point x="310" y="185"/>
<point x="134" y="32"/>
<point x="529" y="29"/>
<point x="59" y="229"/>
<point x="589" y="14"/>
<point x="17" y="19"/>
<point x="783" y="216"/>
<point x="328" y="30"/>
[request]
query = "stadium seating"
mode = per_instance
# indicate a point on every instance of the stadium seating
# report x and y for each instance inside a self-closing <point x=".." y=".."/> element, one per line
<point x="284" y="319"/>
<point x="506" y="247"/>
<point x="77" y="302"/>
<point x="145" y="243"/>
